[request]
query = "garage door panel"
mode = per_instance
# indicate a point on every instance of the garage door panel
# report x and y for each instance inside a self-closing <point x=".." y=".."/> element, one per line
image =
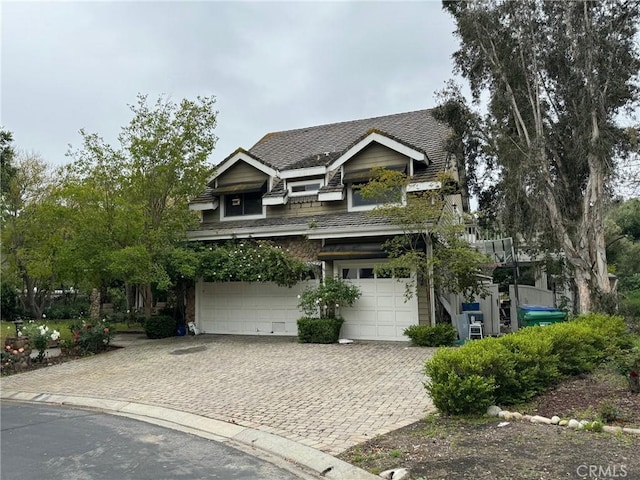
<point x="249" y="308"/>
<point x="386" y="301"/>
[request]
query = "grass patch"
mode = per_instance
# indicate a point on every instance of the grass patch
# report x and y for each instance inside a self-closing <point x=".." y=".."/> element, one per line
<point x="8" y="329"/>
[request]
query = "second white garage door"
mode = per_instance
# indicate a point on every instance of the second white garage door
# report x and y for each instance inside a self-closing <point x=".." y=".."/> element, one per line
<point x="382" y="312"/>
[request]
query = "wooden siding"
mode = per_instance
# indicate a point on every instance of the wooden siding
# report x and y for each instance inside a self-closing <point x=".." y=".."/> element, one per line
<point x="424" y="314"/>
<point x="374" y="155"/>
<point x="241" y="172"/>
<point x="304" y="209"/>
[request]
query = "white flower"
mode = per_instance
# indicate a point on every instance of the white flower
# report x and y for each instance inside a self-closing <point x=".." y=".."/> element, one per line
<point x="337" y="305"/>
<point x="317" y="301"/>
<point x="55" y="335"/>
<point x="19" y="333"/>
<point x="44" y="316"/>
<point x="298" y="297"/>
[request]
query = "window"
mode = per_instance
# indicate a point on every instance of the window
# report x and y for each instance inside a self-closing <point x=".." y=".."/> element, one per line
<point x="366" y="273"/>
<point x="357" y="202"/>
<point x="243" y="204"/>
<point x="307" y="187"/>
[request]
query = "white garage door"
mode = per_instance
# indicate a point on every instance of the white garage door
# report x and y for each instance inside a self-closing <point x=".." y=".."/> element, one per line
<point x="243" y="308"/>
<point x="381" y="313"/>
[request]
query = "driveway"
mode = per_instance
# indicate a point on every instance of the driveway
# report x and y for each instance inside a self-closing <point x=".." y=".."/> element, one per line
<point x="329" y="397"/>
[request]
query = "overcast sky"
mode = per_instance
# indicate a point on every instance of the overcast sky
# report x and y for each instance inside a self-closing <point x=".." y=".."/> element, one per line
<point x="271" y="66"/>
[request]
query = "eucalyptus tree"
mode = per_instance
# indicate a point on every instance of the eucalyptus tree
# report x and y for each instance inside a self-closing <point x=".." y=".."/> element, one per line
<point x="558" y="77"/>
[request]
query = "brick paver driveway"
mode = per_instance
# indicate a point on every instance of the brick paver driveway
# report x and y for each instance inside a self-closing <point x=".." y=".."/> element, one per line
<point x="329" y="397"/>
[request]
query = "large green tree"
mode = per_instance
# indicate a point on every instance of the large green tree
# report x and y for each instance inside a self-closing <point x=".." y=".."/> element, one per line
<point x="138" y="191"/>
<point x="7" y="154"/>
<point x="34" y="233"/>
<point x="558" y="76"/>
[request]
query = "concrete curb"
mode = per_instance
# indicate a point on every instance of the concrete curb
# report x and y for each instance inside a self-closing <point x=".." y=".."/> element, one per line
<point x="322" y="465"/>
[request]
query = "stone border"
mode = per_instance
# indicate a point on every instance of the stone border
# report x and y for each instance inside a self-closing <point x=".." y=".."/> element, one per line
<point x="495" y="411"/>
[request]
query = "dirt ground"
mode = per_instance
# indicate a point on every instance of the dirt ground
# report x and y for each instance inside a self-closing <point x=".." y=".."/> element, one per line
<point x="480" y="448"/>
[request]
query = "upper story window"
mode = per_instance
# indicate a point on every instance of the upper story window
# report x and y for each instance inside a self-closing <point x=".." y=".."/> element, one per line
<point x="357" y="202"/>
<point x="241" y="204"/>
<point x="242" y="201"/>
<point x="306" y="187"/>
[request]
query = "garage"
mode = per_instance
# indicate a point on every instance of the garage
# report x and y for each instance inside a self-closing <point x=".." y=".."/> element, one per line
<point x="244" y="308"/>
<point x="382" y="312"/>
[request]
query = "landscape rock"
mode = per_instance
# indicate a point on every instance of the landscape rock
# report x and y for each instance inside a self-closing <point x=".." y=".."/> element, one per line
<point x="563" y="423"/>
<point x="573" y="423"/>
<point x="516" y="415"/>
<point x="540" y="419"/>
<point x="611" y="429"/>
<point x="395" y="474"/>
<point x="555" y="420"/>
<point x="493" y="411"/>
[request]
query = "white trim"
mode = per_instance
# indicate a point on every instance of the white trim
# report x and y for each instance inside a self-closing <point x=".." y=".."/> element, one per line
<point x="382" y="140"/>
<point x="281" y="200"/>
<point x="290" y="185"/>
<point x="243" y="157"/>
<point x="421" y="186"/>
<point x="212" y="205"/>
<point x="303" y="172"/>
<point x="240" y="217"/>
<point x="331" y="196"/>
<point x="310" y="233"/>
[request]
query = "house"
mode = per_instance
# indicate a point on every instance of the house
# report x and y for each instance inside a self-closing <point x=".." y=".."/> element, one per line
<point x="296" y="188"/>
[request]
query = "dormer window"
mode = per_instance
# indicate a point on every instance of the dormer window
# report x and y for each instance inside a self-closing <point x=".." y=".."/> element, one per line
<point x="306" y="187"/>
<point x="242" y="204"/>
<point x="356" y="179"/>
<point x="242" y="200"/>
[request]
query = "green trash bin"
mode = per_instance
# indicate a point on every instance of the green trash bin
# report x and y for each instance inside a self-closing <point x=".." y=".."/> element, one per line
<point x="531" y="315"/>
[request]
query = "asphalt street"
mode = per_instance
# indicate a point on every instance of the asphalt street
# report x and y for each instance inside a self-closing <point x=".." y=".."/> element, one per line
<point x="62" y="443"/>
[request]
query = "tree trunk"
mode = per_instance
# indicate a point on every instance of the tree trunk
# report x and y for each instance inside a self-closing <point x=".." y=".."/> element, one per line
<point x="147" y="299"/>
<point x="95" y="304"/>
<point x="582" y="279"/>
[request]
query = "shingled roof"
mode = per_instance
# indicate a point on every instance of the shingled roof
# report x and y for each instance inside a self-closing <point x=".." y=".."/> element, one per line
<point x="320" y="145"/>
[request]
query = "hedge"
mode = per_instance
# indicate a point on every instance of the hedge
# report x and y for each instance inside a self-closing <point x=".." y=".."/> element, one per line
<point x="519" y="366"/>
<point x="319" y="330"/>
<point x="160" y="326"/>
<point x="440" y="335"/>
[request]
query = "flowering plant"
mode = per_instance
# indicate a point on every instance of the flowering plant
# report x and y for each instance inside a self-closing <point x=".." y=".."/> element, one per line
<point x="91" y="336"/>
<point x="324" y="299"/>
<point x="39" y="336"/>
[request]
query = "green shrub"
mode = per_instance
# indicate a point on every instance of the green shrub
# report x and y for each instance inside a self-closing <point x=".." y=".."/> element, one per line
<point x="516" y="367"/>
<point x="160" y="326"/>
<point x="319" y="330"/>
<point x="65" y="310"/>
<point x="455" y="395"/>
<point x="536" y="365"/>
<point x="440" y="335"/>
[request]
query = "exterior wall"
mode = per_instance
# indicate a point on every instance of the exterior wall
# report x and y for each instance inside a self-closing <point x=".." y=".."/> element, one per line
<point x="302" y="248"/>
<point x="305" y="206"/>
<point x="241" y="172"/>
<point x="424" y="309"/>
<point x="374" y="155"/>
